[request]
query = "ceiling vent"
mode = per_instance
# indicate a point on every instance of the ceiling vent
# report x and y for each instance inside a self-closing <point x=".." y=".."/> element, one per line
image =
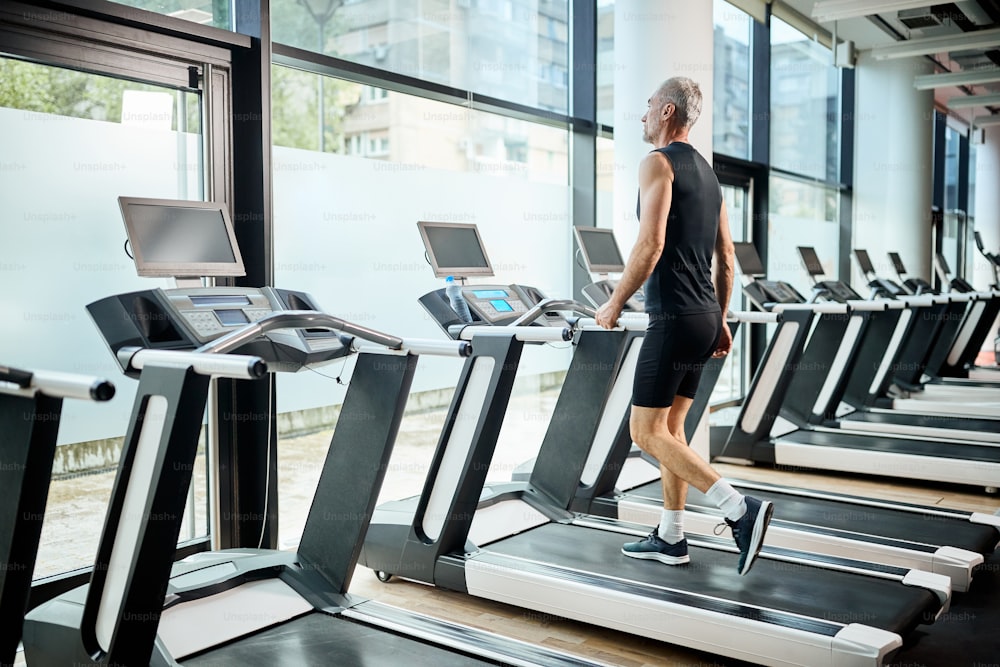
<point x="918" y="19"/>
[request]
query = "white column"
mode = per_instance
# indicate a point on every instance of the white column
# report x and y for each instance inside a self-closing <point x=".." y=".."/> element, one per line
<point x="655" y="40"/>
<point x="988" y="188"/>
<point x="893" y="152"/>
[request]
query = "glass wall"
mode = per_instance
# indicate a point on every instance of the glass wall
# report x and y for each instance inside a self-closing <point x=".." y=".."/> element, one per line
<point x="953" y="224"/>
<point x="63" y="247"/>
<point x="735" y="372"/>
<point x="606" y="62"/>
<point x="346" y="232"/>
<point x="214" y="13"/>
<point x="802" y="214"/>
<point x="805" y="103"/>
<point x="731" y="108"/>
<point x="509" y="49"/>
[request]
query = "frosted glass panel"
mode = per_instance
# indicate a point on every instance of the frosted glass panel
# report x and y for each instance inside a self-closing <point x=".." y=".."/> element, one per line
<point x="63" y="242"/>
<point x="346" y="232"/>
<point x="801" y="214"/>
<point x="72" y="144"/>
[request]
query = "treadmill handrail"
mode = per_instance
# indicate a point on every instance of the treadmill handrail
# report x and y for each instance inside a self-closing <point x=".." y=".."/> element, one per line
<point x="624" y="324"/>
<point x="753" y="317"/>
<point x="828" y="307"/>
<point x="235" y="366"/>
<point x="296" y="319"/>
<point x="523" y="334"/>
<point x="875" y="305"/>
<point x="420" y="346"/>
<point x="22" y="382"/>
<point x="536" y="311"/>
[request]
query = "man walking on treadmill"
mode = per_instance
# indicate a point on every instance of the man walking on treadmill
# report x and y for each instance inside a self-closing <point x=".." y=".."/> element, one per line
<point x="682" y="226"/>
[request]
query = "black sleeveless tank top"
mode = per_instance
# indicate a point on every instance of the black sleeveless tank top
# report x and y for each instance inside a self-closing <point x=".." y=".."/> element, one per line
<point x="681" y="282"/>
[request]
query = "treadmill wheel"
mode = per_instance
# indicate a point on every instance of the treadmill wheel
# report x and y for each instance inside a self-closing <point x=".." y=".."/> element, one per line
<point x="383" y="576"/>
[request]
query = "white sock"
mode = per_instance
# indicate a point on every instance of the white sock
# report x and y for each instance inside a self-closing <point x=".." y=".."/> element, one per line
<point x="726" y="498"/>
<point x="671" y="528"/>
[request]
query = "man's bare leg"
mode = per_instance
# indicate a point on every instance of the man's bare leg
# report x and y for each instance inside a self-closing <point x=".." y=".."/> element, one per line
<point x="655" y="431"/>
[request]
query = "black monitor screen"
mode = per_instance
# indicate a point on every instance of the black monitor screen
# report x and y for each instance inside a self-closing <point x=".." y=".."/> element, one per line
<point x="864" y="261"/>
<point x="455" y="249"/>
<point x="897" y="263"/>
<point x="749" y="260"/>
<point x="181" y="238"/>
<point x="600" y="250"/>
<point x="809" y="257"/>
<point x="979" y="241"/>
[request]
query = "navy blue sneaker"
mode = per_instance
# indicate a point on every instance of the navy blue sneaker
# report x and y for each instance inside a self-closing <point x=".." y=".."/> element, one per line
<point x="749" y="529"/>
<point x="653" y="548"/>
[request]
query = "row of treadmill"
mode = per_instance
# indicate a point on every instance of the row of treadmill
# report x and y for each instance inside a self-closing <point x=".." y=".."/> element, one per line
<point x="841" y="580"/>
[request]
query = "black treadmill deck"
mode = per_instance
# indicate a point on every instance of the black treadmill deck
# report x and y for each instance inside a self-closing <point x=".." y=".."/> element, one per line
<point x="842" y="515"/>
<point x="790" y="594"/>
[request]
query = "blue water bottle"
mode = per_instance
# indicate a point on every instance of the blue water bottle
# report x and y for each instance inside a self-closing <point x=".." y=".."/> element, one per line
<point x="458" y="304"/>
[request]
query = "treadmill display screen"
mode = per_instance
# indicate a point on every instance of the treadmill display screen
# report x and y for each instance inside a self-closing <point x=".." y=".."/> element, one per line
<point x="809" y="257"/>
<point x="490" y="293"/>
<point x="454" y="249"/>
<point x="600" y="250"/>
<point x="231" y="317"/>
<point x="749" y="260"/>
<point x="864" y="261"/>
<point x="501" y="306"/>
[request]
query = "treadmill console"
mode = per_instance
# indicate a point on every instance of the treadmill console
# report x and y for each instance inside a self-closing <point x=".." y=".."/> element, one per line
<point x="490" y="305"/>
<point x="495" y="304"/>
<point x="763" y="293"/>
<point x="599" y="292"/>
<point x="187" y="318"/>
<point x="837" y="290"/>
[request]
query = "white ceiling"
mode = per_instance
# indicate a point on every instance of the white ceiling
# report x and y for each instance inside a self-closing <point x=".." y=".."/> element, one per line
<point x="956" y="19"/>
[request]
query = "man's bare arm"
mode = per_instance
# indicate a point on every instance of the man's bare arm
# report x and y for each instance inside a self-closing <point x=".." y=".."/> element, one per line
<point x="724" y="261"/>
<point x="656" y="177"/>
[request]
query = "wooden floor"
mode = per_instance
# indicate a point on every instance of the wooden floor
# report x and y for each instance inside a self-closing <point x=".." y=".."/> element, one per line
<point x="617" y="648"/>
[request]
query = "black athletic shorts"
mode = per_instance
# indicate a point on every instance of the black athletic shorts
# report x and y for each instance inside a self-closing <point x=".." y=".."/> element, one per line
<point x="673" y="353"/>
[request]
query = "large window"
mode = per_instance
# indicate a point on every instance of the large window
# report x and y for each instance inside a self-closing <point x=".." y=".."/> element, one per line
<point x="731" y="106"/>
<point x="507" y="49"/>
<point x="802" y="214"/>
<point x="606" y="62"/>
<point x="805" y="103"/>
<point x="346" y="231"/>
<point x="62" y="237"/>
<point x="214" y="13"/>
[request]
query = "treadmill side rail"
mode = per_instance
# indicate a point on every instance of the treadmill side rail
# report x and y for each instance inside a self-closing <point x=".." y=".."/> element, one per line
<point x="938" y="584"/>
<point x="855" y="645"/>
<point x="986" y="519"/>
<point x="817" y="642"/>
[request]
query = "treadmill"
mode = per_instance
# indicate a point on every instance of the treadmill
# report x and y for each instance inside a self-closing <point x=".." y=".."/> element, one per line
<point x="513" y="543"/>
<point x="958" y="366"/>
<point x="862" y="408"/>
<point x="30" y="408"/>
<point x="954" y="321"/>
<point x="825" y="399"/>
<point x="779" y="388"/>
<point x="617" y="480"/>
<point x="243" y="606"/>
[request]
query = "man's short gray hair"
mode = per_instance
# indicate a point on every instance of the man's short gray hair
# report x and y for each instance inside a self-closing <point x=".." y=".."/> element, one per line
<point x="685" y="96"/>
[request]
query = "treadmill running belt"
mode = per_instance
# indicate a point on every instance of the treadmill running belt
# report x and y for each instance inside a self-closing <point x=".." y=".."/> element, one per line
<point x="870" y="441"/>
<point x="321" y="639"/>
<point x="830" y="595"/>
<point x="877" y="521"/>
